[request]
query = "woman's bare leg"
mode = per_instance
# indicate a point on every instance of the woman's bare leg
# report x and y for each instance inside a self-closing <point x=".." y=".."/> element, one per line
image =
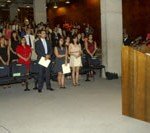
<point x="77" y="75"/>
<point x="59" y="78"/>
<point x="73" y="76"/>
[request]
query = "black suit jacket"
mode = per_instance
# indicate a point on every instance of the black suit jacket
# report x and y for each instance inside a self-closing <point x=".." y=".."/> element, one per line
<point x="55" y="38"/>
<point x="39" y="49"/>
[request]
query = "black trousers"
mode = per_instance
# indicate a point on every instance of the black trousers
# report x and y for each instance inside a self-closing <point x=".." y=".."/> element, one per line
<point x="44" y="75"/>
<point x="88" y="60"/>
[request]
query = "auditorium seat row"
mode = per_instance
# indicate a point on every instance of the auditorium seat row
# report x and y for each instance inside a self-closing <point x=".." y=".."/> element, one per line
<point x="16" y="73"/>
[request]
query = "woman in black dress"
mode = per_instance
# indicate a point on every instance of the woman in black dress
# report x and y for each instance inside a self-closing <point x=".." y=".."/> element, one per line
<point x="4" y="52"/>
<point x="14" y="42"/>
<point x="61" y="58"/>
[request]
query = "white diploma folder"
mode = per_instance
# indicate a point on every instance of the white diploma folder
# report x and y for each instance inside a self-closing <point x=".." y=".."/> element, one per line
<point x="44" y="62"/>
<point x="66" y="68"/>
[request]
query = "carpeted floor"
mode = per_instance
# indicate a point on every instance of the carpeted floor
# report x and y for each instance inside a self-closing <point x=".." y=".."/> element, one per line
<point x="92" y="107"/>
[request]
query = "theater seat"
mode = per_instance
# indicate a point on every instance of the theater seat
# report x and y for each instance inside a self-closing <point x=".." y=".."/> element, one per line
<point x="5" y="75"/>
<point x="15" y="73"/>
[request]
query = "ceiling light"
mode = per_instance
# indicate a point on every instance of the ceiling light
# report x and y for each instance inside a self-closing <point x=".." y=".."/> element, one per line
<point x="18" y="10"/>
<point x="67" y="2"/>
<point x="27" y="6"/>
<point x="8" y="1"/>
<point x="55" y="6"/>
<point x="2" y="5"/>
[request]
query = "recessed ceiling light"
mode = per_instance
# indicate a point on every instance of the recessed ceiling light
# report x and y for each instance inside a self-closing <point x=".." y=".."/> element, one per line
<point x="2" y="5"/>
<point x="8" y="1"/>
<point x="55" y="6"/>
<point x="27" y="6"/>
<point x="67" y="2"/>
<point x="18" y="10"/>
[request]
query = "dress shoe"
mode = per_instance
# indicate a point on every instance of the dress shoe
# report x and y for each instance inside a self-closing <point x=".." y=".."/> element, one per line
<point x="51" y="89"/>
<point x="40" y="91"/>
<point x="35" y="88"/>
<point x="26" y="89"/>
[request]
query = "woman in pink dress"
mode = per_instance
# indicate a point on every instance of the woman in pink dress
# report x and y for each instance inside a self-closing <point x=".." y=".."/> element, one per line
<point x="75" y="59"/>
<point x="7" y="31"/>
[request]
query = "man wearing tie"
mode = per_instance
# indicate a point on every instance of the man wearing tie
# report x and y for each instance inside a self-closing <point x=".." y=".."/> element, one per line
<point x="43" y="48"/>
<point x="30" y="39"/>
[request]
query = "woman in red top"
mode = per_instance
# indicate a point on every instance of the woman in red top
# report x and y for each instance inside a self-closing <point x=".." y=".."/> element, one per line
<point x="24" y="53"/>
<point x="90" y="47"/>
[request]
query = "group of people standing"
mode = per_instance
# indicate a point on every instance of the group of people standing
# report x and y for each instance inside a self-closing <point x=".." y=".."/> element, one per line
<point x="30" y="44"/>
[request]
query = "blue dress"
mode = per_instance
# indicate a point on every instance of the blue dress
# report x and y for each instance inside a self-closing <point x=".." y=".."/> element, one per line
<point x="60" y="61"/>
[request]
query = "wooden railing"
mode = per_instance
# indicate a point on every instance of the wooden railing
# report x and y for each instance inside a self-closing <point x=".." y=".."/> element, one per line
<point x="135" y="84"/>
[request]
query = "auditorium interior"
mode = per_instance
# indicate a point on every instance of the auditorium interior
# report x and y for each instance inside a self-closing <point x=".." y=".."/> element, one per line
<point x="113" y="93"/>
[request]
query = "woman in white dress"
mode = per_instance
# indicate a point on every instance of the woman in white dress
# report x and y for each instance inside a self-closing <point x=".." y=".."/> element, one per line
<point x="75" y="59"/>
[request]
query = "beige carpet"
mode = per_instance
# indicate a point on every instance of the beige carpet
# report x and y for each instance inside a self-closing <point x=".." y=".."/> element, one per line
<point x="93" y="107"/>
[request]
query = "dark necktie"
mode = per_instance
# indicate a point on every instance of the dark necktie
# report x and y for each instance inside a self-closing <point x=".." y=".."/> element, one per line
<point x="30" y="41"/>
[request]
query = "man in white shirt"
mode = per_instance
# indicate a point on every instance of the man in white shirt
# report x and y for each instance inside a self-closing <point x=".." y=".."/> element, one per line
<point x="59" y="30"/>
<point x="30" y="40"/>
<point x="43" y="48"/>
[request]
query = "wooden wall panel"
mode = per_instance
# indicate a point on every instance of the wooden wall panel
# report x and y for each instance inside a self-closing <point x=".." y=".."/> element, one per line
<point x="147" y="89"/>
<point x="136" y="17"/>
<point x="125" y="80"/>
<point x="25" y="13"/>
<point x="135" y="84"/>
<point x="139" y="89"/>
<point x="4" y="15"/>
<point x="85" y="11"/>
<point x="131" y="83"/>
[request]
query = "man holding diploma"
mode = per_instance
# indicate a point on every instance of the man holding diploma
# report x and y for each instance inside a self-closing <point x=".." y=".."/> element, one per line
<point x="43" y="48"/>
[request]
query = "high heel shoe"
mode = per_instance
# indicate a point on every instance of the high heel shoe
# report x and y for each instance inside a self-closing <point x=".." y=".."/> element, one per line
<point x="77" y="84"/>
<point x="74" y="84"/>
<point x="62" y="87"/>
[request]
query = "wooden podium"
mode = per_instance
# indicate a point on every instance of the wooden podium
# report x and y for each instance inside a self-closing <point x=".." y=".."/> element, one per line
<point x="135" y="84"/>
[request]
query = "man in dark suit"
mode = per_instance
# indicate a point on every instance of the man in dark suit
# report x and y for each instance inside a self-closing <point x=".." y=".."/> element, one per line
<point x="126" y="40"/>
<point x="43" y="48"/>
<point x="55" y="37"/>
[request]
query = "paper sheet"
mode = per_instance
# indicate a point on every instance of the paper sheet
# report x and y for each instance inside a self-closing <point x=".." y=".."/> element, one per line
<point x="66" y="68"/>
<point x="44" y="62"/>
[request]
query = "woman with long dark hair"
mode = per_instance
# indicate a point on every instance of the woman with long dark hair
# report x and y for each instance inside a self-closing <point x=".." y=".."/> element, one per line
<point x="61" y="58"/>
<point x="4" y="52"/>
<point x="24" y="54"/>
<point x="14" y="42"/>
<point x="75" y="59"/>
<point x="90" y="47"/>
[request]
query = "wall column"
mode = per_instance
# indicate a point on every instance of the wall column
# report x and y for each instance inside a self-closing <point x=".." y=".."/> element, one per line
<point x="111" y="25"/>
<point x="39" y="7"/>
<point x="13" y="11"/>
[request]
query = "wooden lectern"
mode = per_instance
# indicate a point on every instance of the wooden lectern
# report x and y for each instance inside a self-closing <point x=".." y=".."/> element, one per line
<point x="135" y="84"/>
